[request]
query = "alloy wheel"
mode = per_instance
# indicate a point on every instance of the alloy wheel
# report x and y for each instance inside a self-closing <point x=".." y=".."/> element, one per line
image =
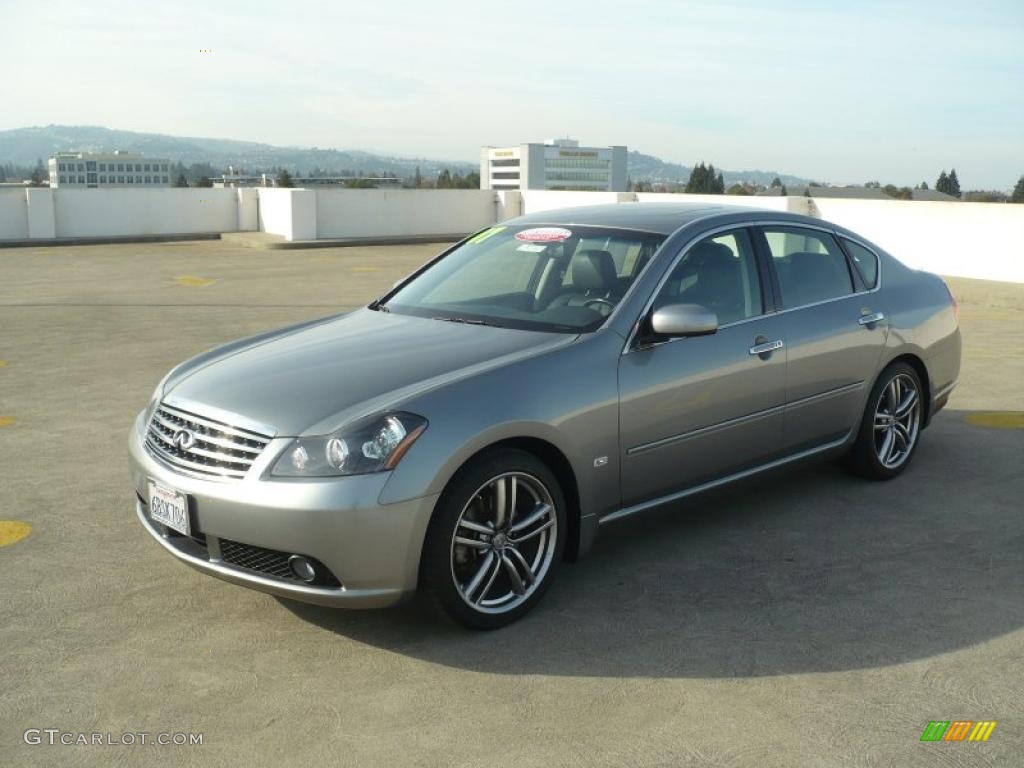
<point x="504" y="542"/>
<point x="897" y="421"/>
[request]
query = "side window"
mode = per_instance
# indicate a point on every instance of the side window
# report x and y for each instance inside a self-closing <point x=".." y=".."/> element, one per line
<point x="719" y="273"/>
<point x="810" y="265"/>
<point x="865" y="261"/>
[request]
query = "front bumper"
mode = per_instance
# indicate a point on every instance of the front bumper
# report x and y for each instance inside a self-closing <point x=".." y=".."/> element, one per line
<point x="373" y="550"/>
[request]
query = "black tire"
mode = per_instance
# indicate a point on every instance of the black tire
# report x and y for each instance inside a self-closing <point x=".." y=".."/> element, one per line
<point x="864" y="457"/>
<point x="474" y="491"/>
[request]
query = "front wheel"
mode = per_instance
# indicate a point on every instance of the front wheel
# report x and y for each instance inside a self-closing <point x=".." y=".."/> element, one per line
<point x="891" y="425"/>
<point x="495" y="540"/>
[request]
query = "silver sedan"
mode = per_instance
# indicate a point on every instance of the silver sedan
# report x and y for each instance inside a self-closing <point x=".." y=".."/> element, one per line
<point x="469" y="431"/>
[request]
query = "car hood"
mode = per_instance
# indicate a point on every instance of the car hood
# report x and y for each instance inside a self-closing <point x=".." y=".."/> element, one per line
<point x="314" y="378"/>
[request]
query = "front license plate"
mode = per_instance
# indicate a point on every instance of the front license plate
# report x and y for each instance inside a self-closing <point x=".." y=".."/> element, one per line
<point x="168" y="507"/>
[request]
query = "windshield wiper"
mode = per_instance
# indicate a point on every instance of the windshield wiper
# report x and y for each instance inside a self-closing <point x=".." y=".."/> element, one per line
<point x="461" y="320"/>
<point x="379" y="306"/>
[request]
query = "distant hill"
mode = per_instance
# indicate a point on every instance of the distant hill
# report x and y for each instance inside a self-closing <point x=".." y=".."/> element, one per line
<point x="23" y="146"/>
<point x="652" y="168"/>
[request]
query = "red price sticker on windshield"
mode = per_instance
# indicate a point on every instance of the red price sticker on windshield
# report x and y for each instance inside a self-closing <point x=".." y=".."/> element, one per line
<point x="544" y="235"/>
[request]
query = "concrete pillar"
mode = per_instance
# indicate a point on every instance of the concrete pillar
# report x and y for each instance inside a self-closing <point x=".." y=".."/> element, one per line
<point x="42" y="222"/>
<point x="509" y="204"/>
<point x="303" y="214"/>
<point x="247" y="209"/>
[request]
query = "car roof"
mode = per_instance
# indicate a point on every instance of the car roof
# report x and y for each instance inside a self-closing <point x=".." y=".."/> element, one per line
<point x="662" y="218"/>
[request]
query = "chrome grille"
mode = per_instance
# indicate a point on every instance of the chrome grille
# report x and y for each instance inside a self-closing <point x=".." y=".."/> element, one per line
<point x="216" y="449"/>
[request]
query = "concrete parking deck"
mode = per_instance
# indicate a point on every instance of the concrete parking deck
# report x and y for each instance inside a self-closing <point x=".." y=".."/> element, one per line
<point x="810" y="619"/>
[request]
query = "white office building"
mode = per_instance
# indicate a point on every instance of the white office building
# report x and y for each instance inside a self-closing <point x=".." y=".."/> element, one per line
<point x="555" y="164"/>
<point x="82" y="170"/>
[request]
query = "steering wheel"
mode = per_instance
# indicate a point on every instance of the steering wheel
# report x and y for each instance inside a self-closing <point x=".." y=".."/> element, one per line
<point x="605" y="302"/>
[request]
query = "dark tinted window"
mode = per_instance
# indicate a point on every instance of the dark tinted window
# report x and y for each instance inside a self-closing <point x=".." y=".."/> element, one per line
<point x="866" y="262"/>
<point x="810" y="265"/>
<point x="720" y="274"/>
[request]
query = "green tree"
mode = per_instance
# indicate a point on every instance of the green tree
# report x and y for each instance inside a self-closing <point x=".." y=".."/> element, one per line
<point x="704" y="181"/>
<point x="942" y="183"/>
<point x="205" y="181"/>
<point x="38" y="174"/>
<point x="776" y="182"/>
<point x="473" y="180"/>
<point x="954" y="184"/>
<point x="418" y="178"/>
<point x="738" y="189"/>
<point x="181" y="181"/>
<point x="923" y="185"/>
<point x="784" y="191"/>
<point x="1018" y="191"/>
<point x="444" y="179"/>
<point x="284" y="179"/>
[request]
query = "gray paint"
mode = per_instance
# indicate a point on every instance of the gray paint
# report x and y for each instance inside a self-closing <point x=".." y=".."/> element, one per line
<point x="670" y="417"/>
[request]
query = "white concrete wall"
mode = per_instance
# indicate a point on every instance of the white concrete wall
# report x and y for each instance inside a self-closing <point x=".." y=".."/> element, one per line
<point x="981" y="240"/>
<point x="402" y="212"/>
<point x="13" y="214"/>
<point x="535" y="200"/>
<point x="127" y="212"/>
<point x="747" y="201"/>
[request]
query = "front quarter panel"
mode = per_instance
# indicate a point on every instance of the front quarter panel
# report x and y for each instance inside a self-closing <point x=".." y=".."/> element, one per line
<point x="567" y="397"/>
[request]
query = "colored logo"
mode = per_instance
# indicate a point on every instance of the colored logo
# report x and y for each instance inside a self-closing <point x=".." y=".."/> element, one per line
<point x="958" y="730"/>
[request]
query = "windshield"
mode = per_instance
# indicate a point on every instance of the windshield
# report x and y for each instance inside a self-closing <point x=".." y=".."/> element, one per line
<point x="549" y="278"/>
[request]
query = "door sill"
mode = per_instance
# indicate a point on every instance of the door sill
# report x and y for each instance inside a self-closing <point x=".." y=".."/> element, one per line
<point x="692" y="491"/>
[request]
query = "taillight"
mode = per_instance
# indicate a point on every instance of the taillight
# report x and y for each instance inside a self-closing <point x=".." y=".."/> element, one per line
<point x="953" y="301"/>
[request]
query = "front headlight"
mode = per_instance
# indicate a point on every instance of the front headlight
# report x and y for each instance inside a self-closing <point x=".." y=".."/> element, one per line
<point x="371" y="445"/>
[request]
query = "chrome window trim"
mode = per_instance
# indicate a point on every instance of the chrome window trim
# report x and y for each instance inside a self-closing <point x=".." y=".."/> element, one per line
<point x="741" y="225"/>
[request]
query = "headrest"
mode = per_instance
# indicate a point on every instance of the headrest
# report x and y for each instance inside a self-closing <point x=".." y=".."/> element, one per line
<point x="594" y="270"/>
<point x="707" y="251"/>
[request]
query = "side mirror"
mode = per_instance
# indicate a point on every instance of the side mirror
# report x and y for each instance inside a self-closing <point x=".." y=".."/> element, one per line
<point x="684" y="320"/>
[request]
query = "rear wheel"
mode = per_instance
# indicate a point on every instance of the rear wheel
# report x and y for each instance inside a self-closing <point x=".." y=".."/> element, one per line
<point x="891" y="425"/>
<point x="495" y="540"/>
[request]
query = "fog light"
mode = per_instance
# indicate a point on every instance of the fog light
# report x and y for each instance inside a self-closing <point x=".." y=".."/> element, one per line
<point x="302" y="568"/>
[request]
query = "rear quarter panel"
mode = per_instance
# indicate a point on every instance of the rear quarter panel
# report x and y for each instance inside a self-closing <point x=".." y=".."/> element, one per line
<point x="922" y="322"/>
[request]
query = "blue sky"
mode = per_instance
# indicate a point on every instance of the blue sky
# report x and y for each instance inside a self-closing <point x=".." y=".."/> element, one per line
<point x="838" y="91"/>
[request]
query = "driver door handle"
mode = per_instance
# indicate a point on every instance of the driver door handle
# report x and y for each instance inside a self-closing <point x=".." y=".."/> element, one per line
<point x="871" y="319"/>
<point x="768" y="346"/>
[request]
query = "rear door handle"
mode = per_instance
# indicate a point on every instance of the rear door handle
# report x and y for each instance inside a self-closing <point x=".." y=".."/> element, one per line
<point x="871" y="319"/>
<point x="768" y="346"/>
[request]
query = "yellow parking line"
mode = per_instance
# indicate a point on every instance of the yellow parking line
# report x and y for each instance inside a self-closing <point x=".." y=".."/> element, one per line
<point x="997" y="419"/>
<point x="6" y="421"/>
<point x="3" y="363"/>
<point x="13" y="531"/>
<point x="191" y="281"/>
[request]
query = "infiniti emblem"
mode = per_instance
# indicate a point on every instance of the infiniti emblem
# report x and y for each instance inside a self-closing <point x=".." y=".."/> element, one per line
<point x="183" y="439"/>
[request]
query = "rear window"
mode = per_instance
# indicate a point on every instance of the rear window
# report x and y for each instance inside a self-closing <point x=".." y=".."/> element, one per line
<point x="810" y="265"/>
<point x="865" y="261"/>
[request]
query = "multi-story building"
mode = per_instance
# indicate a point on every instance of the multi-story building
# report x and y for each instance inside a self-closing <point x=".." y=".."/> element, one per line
<point x="82" y="170"/>
<point x="555" y="164"/>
